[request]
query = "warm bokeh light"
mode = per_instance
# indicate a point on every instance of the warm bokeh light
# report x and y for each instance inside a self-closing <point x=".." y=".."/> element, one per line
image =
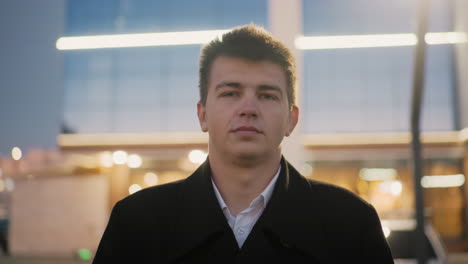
<point x="463" y="135"/>
<point x="393" y="187"/>
<point x="105" y="159"/>
<point x="306" y="169"/>
<point x="16" y="153"/>
<point x="119" y="157"/>
<point x="443" y="181"/>
<point x="377" y="174"/>
<point x="386" y="231"/>
<point x="151" y="179"/>
<point x="446" y="38"/>
<point x="134" y="188"/>
<point x="9" y="184"/>
<point x="355" y="41"/>
<point x="137" y="40"/>
<point x="134" y="161"/>
<point x="2" y="185"/>
<point x="396" y="188"/>
<point x="197" y="156"/>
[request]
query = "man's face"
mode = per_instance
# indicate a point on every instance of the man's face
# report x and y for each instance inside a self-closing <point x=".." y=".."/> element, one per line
<point x="247" y="113"/>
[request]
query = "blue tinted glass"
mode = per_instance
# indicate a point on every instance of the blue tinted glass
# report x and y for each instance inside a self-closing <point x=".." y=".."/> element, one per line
<point x="88" y="17"/>
<point x="151" y="89"/>
<point x="369" y="89"/>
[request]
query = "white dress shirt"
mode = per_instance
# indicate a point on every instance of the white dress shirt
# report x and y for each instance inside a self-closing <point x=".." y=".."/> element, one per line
<point x="243" y="223"/>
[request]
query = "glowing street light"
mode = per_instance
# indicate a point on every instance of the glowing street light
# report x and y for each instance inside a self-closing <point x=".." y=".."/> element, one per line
<point x="377" y="174"/>
<point x="105" y="158"/>
<point x="197" y="156"/>
<point x="134" y="188"/>
<point x="355" y="41"/>
<point x="16" y="153"/>
<point x="137" y="40"/>
<point x="393" y="187"/>
<point x="377" y="40"/>
<point x="134" y="161"/>
<point x="386" y="231"/>
<point x="446" y="38"/>
<point x="119" y="157"/>
<point x="443" y="181"/>
<point x="151" y="179"/>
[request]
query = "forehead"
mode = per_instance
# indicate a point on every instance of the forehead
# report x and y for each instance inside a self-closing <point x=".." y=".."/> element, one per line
<point x="235" y="69"/>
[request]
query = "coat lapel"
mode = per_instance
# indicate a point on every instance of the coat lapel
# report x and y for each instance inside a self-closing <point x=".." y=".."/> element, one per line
<point x="293" y="215"/>
<point x="199" y="217"/>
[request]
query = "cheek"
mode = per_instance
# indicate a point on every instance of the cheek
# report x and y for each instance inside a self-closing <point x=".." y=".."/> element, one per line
<point x="218" y="119"/>
<point x="279" y="124"/>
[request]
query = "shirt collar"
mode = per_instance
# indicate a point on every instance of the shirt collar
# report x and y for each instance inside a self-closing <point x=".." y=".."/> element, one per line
<point x="266" y="194"/>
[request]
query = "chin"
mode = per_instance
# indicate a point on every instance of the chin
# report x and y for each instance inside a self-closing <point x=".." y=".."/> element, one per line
<point x="253" y="157"/>
<point x="248" y="155"/>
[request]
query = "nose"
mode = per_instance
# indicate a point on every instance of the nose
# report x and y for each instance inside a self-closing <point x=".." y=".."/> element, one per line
<point x="248" y="108"/>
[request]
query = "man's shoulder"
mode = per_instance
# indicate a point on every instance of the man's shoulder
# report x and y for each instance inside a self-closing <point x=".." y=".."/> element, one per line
<point x="332" y="190"/>
<point x="337" y="206"/>
<point x="153" y="197"/>
<point x="336" y="197"/>
<point x="327" y="194"/>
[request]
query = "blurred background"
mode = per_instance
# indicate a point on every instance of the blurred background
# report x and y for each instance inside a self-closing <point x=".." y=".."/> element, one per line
<point x="84" y="122"/>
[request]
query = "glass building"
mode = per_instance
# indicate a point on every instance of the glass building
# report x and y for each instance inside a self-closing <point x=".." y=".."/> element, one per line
<point x="349" y="97"/>
<point x="154" y="89"/>
<point x="130" y="122"/>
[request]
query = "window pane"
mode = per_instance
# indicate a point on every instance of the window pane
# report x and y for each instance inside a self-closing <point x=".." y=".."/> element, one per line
<point x="151" y="89"/>
<point x="369" y="89"/>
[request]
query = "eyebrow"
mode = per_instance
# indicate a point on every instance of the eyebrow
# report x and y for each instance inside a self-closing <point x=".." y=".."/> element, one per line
<point x="228" y="84"/>
<point x="268" y="87"/>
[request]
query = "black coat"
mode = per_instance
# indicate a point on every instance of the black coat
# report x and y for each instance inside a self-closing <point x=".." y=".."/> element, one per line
<point x="305" y="222"/>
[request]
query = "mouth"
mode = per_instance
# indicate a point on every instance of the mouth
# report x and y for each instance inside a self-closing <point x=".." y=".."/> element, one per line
<point x="247" y="130"/>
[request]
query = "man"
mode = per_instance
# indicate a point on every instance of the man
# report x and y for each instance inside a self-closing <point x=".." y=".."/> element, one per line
<point x="246" y="203"/>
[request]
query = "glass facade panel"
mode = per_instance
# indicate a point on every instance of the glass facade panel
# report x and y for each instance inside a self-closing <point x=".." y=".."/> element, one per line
<point x="154" y="89"/>
<point x="369" y="89"/>
<point x="151" y="89"/>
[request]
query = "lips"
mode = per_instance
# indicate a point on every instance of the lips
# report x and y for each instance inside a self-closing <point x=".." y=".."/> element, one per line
<point x="246" y="129"/>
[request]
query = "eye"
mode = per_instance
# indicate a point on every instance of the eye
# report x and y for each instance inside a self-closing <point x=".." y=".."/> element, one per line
<point x="268" y="97"/>
<point x="229" y="94"/>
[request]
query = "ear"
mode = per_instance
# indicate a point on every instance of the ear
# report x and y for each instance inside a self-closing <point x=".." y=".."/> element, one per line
<point x="201" y="112"/>
<point x="293" y="119"/>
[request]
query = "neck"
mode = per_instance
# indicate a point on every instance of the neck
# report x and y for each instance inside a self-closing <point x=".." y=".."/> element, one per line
<point x="240" y="183"/>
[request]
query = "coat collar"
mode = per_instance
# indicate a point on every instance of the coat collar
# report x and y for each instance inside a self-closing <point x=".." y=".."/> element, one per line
<point x="292" y="214"/>
<point x="199" y="216"/>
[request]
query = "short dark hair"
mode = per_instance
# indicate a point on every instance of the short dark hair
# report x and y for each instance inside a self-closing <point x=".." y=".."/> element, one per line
<point x="250" y="42"/>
